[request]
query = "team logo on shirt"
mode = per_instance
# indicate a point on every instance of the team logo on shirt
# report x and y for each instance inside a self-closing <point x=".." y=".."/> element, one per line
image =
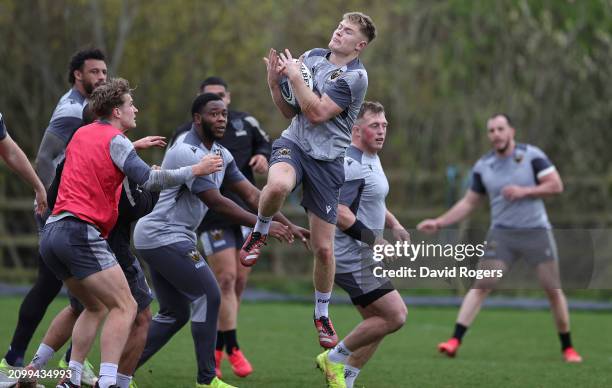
<point x="518" y="157"/>
<point x="336" y="74"/>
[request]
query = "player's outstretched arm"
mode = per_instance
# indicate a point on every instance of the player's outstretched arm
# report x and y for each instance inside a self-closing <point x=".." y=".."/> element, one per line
<point x="124" y="156"/>
<point x="274" y="71"/>
<point x="225" y="206"/>
<point x="458" y="212"/>
<point x="17" y="160"/>
<point x="150" y="141"/>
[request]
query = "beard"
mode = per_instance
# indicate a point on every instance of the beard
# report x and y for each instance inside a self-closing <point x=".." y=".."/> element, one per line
<point x="89" y="87"/>
<point x="503" y="148"/>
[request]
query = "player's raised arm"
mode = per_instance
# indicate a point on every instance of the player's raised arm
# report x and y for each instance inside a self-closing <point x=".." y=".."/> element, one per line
<point x="125" y="158"/>
<point x="274" y="70"/>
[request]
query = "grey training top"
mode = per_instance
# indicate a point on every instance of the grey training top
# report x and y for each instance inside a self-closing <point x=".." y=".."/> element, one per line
<point x="346" y="86"/>
<point x="524" y="167"/>
<point x="179" y="210"/>
<point x="364" y="192"/>
<point x="66" y="119"/>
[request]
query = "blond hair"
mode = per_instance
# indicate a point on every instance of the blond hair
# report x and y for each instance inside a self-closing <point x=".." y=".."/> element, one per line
<point x="366" y="24"/>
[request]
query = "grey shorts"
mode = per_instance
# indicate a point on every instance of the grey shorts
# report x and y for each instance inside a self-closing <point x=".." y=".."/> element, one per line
<point x="321" y="180"/>
<point x="138" y="287"/>
<point x="216" y="240"/>
<point x="535" y="246"/>
<point x="363" y="287"/>
<point x="71" y="247"/>
<point x="181" y="265"/>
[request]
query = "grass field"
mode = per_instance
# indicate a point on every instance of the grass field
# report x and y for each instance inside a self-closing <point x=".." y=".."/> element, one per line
<point x="504" y="348"/>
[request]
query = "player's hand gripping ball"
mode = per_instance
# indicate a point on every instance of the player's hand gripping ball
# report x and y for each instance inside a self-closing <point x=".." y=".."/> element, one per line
<point x="287" y="90"/>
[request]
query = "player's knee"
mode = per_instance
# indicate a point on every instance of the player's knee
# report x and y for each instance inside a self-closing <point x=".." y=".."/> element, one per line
<point x="143" y="318"/>
<point x="227" y="281"/>
<point x="131" y="308"/>
<point x="397" y="318"/>
<point x="141" y="324"/>
<point x="324" y="254"/>
<point x="554" y="294"/>
<point x="278" y="189"/>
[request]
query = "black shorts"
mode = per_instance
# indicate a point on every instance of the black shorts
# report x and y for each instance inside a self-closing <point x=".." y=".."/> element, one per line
<point x="216" y="240"/>
<point x="363" y="287"/>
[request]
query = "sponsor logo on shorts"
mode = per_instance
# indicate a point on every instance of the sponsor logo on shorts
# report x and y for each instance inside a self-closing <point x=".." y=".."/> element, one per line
<point x="328" y="209"/>
<point x="217" y="234"/>
<point x="283" y="153"/>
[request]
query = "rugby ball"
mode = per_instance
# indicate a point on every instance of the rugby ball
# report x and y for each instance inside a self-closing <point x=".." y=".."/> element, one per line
<point x="287" y="90"/>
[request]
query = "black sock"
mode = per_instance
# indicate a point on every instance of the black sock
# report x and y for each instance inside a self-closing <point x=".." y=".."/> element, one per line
<point x="459" y="331"/>
<point x="68" y="353"/>
<point x="230" y="341"/>
<point x="566" y="341"/>
<point x="14" y="357"/>
<point x="220" y="340"/>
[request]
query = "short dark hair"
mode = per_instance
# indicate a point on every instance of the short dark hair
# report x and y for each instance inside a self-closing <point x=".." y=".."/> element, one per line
<point x="366" y="24"/>
<point x="201" y="101"/>
<point x="504" y="115"/>
<point x="214" y="80"/>
<point x="370" y="106"/>
<point x="108" y="96"/>
<point x="78" y="60"/>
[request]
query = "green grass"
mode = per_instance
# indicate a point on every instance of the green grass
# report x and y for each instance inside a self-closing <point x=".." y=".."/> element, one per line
<point x="504" y="348"/>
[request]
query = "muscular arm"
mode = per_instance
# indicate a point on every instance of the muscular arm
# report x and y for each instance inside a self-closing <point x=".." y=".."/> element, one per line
<point x="125" y="158"/>
<point x="17" y="160"/>
<point x="461" y="209"/>
<point x="316" y="109"/>
<point x="548" y="185"/>
<point x="222" y="205"/>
